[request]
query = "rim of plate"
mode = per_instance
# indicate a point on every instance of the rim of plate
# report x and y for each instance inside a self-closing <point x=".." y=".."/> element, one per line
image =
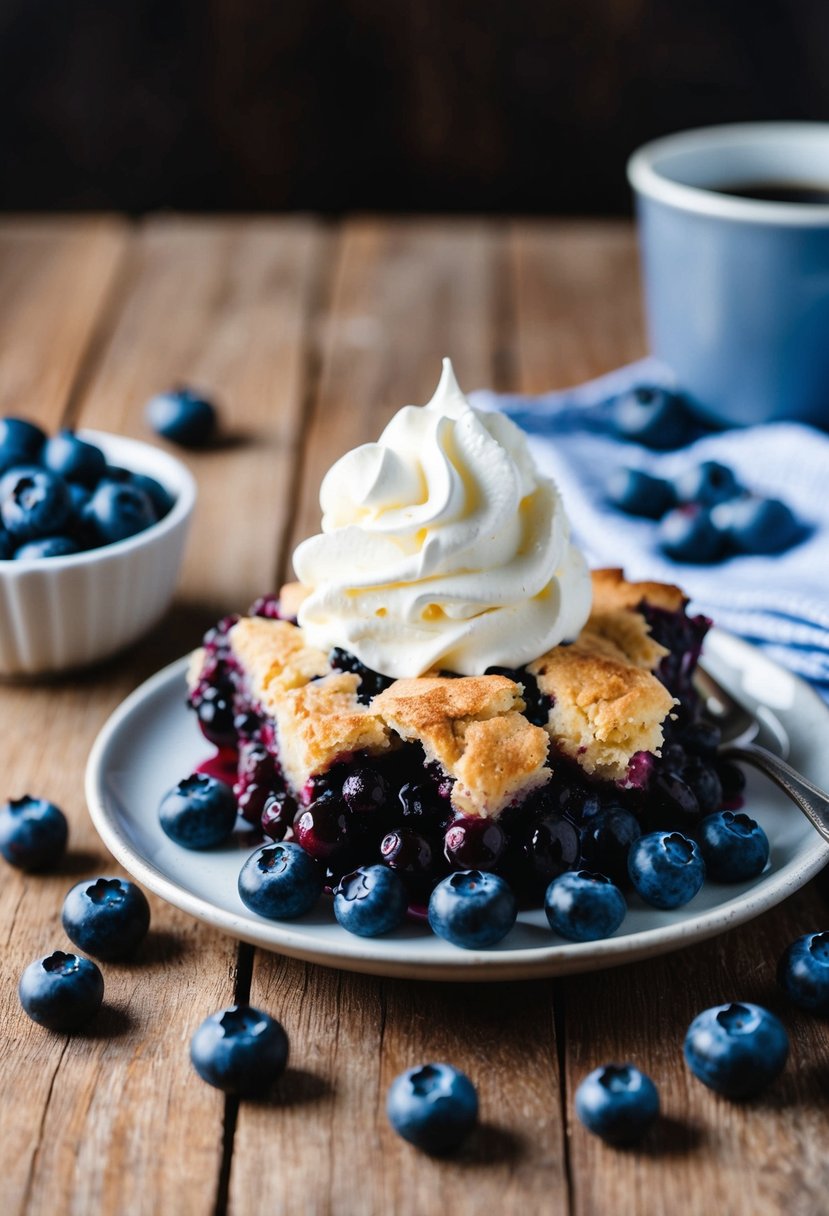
<point x="353" y="954"/>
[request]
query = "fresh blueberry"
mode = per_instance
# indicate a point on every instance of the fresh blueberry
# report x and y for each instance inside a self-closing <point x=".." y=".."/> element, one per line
<point x="734" y="847"/>
<point x="280" y="882"/>
<point x="687" y="534"/>
<point x="803" y="973"/>
<point x="707" y="483"/>
<point x="474" y="843"/>
<point x="106" y="917"/>
<point x="199" y="812"/>
<point x="35" y="504"/>
<point x="20" y="441"/>
<point x="74" y="459"/>
<point x="757" y="525"/>
<point x="159" y="495"/>
<point x="666" y="868"/>
<point x="736" y="1049"/>
<point x="584" y="907"/>
<point x="472" y="909"/>
<point x="33" y="833"/>
<point x="48" y="546"/>
<point x="652" y="416"/>
<point x="240" y="1050"/>
<point x="62" y="991"/>
<point x="116" y="511"/>
<point x="370" y="901"/>
<point x="606" y="839"/>
<point x="617" y="1102"/>
<point x="434" y="1107"/>
<point x="637" y="493"/>
<point x="182" y="416"/>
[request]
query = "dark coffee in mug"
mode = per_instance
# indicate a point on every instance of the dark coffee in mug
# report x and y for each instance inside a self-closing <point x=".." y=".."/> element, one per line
<point x="769" y="191"/>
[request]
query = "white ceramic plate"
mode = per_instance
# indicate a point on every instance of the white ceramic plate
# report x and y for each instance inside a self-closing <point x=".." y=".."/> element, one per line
<point x="151" y="741"/>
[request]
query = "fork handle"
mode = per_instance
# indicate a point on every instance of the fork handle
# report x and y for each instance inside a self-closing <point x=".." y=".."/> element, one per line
<point x="813" y="802"/>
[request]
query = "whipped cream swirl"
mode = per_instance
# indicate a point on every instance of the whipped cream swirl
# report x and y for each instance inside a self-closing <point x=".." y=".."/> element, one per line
<point x="442" y="546"/>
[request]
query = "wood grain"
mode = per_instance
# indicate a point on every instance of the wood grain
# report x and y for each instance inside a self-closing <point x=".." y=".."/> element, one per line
<point x="115" y="1121"/>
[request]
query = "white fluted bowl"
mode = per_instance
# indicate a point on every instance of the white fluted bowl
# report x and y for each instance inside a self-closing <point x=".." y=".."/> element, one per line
<point x="57" y="613"/>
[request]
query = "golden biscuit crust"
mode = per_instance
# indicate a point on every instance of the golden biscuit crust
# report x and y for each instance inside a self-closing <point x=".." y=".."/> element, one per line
<point x="612" y="592"/>
<point x="274" y="656"/>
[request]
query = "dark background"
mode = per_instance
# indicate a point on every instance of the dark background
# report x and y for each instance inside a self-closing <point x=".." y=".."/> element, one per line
<point x="409" y="105"/>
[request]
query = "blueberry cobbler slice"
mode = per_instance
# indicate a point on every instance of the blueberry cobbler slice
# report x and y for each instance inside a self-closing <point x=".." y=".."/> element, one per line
<point x="558" y="764"/>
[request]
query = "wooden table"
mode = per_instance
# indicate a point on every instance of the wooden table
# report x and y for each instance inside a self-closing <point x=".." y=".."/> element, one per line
<point x="311" y="335"/>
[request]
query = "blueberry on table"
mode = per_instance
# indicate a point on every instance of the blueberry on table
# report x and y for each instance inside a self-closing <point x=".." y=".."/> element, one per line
<point x="584" y="907"/>
<point x="20" y="441"/>
<point x="737" y="1049"/>
<point x="803" y="973"/>
<point x="33" y="833"/>
<point x="637" y="493"/>
<point x="472" y="909"/>
<point x="118" y="510"/>
<point x="666" y="868"/>
<point x="686" y="534"/>
<point x="199" y="812"/>
<point x="34" y="503"/>
<point x="73" y="459"/>
<point x="280" y="881"/>
<point x="106" y="917"/>
<point x="240" y="1050"/>
<point x="758" y="526"/>
<point x="433" y="1106"/>
<point x="182" y="416"/>
<point x="48" y="546"/>
<point x="734" y="847"/>
<point x="370" y="901"/>
<point x="708" y="484"/>
<point x="652" y="416"/>
<point x="62" y="991"/>
<point x="617" y="1102"/>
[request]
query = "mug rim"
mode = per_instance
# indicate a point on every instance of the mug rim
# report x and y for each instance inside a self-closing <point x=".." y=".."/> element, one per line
<point x="647" y="180"/>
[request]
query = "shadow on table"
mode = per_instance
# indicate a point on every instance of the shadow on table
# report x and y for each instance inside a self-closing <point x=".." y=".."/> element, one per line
<point x="296" y="1087"/>
<point x="491" y="1144"/>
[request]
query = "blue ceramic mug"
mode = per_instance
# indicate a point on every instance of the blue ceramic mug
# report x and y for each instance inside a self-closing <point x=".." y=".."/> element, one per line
<point x="736" y="288"/>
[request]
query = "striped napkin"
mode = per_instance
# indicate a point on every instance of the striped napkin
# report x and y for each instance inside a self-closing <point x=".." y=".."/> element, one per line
<point x="781" y="603"/>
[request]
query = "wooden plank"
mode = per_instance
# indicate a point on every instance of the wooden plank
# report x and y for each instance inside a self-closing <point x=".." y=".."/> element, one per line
<point x="406" y="293"/>
<point x="54" y="278"/>
<point x="114" y="1120"/>
<point x="578" y="315"/>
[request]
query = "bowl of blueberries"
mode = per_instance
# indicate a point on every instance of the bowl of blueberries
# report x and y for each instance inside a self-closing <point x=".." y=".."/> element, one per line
<point x="92" y="531"/>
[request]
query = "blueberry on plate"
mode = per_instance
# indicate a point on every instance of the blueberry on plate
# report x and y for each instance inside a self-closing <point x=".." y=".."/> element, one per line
<point x="687" y="534"/>
<point x="758" y="526"/>
<point x="433" y="1106"/>
<point x="637" y="493"/>
<point x="240" y="1050"/>
<point x="106" y="917"/>
<point x="20" y="442"/>
<point x="47" y="546"/>
<point x="652" y="416"/>
<point x="117" y="510"/>
<point x="73" y="459"/>
<point x="182" y="416"/>
<point x="33" y="833"/>
<point x="606" y="839"/>
<point x="707" y="483"/>
<point x="199" y="812"/>
<point x="737" y="1049"/>
<point x="280" y="881"/>
<point x="35" y="503"/>
<point x="370" y="901"/>
<point x="62" y="991"/>
<point x="666" y="868"/>
<point x="474" y="843"/>
<point x="734" y="847"/>
<point x="472" y="909"/>
<point x="803" y="973"/>
<point x="617" y="1102"/>
<point x="584" y="907"/>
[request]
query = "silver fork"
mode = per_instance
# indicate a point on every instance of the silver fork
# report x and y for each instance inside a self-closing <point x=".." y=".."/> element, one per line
<point x="740" y="728"/>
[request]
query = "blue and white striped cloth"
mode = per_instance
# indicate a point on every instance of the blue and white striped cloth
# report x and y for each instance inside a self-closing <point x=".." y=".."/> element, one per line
<point x="780" y="603"/>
